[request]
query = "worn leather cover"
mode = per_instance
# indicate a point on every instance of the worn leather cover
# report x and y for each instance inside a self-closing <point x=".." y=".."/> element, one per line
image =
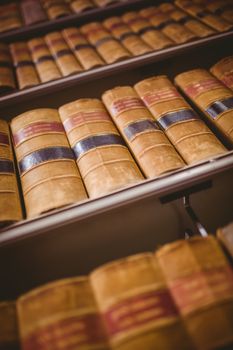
<point x="7" y="81"/>
<point x="121" y="31"/>
<point x="10" y="208"/>
<point x="223" y="8"/>
<point x="151" y="148"/>
<point x="201" y="283"/>
<point x="211" y="96"/>
<point x="49" y="175"/>
<point x="10" y="17"/>
<point x="107" y="46"/>
<point x="103" y="159"/>
<point x="25" y="70"/>
<point x="61" y="315"/>
<point x="103" y="3"/>
<point x="223" y="70"/>
<point x="184" y="128"/>
<point x="154" y="38"/>
<point x="82" y="49"/>
<point x="32" y="11"/>
<point x="136" y="305"/>
<point x="56" y="8"/>
<point x="8" y="326"/>
<point x="43" y="60"/>
<point x="225" y="236"/>
<point x="62" y="54"/>
<point x="78" y="6"/>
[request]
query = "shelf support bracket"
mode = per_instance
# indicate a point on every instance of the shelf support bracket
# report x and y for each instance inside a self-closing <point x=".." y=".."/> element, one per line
<point x="201" y="229"/>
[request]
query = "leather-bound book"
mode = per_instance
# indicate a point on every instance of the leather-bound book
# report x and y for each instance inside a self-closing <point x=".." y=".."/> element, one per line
<point x="106" y="45"/>
<point x="10" y="17"/>
<point x="137" y="307"/>
<point x="56" y="8"/>
<point x="198" y="28"/>
<point x="32" y="11"/>
<point x="61" y="315"/>
<point x="222" y="8"/>
<point x="151" y="148"/>
<point x="43" y="60"/>
<point x="154" y="38"/>
<point x="184" y="128"/>
<point x="10" y="208"/>
<point x="211" y="96"/>
<point x="225" y="236"/>
<point x="7" y="80"/>
<point x="82" y="49"/>
<point x="78" y="6"/>
<point x="62" y="54"/>
<point x="25" y="69"/>
<point x="49" y="176"/>
<point x="201" y="283"/>
<point x="223" y="70"/>
<point x="103" y="3"/>
<point x="121" y="31"/>
<point x="199" y="11"/>
<point x="103" y="159"/>
<point x="8" y="326"/>
<point x="161" y="21"/>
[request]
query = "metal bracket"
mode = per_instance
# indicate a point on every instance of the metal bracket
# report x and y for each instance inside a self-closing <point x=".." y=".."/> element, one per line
<point x="201" y="229"/>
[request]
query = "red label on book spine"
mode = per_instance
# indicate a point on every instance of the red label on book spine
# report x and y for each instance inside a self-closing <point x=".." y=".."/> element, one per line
<point x="195" y="89"/>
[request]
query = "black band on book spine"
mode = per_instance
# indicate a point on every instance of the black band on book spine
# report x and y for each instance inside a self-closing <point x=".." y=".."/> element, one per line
<point x="219" y="107"/>
<point x="164" y="24"/>
<point x="126" y="35"/>
<point x="82" y="46"/>
<point x="44" y="59"/>
<point x="44" y="155"/>
<point x="62" y="53"/>
<point x="175" y="117"/>
<point x="4" y="139"/>
<point x="105" y="40"/>
<point x="24" y="64"/>
<point x="136" y="128"/>
<point x="93" y="142"/>
<point x="5" y="64"/>
<point x="6" y="166"/>
<point x="202" y="14"/>
<point x="145" y="30"/>
<point x="184" y="20"/>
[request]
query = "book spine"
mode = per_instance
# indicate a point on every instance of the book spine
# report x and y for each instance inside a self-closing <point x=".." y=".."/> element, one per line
<point x="10" y="17"/>
<point x="136" y="305"/>
<point x="82" y="49"/>
<point x="132" y="41"/>
<point x="201" y="283"/>
<point x="10" y="207"/>
<point x="151" y="148"/>
<point x="101" y="154"/>
<point x="61" y="314"/>
<point x="49" y="175"/>
<point x="78" y="6"/>
<point x="106" y="45"/>
<point x="225" y="236"/>
<point x="32" y="12"/>
<point x="223" y="70"/>
<point x="223" y="9"/>
<point x="7" y="80"/>
<point x="56" y="8"/>
<point x="43" y="60"/>
<point x="8" y="326"/>
<point x="211" y="96"/>
<point x="103" y="3"/>
<point x="25" y="69"/>
<point x="184" y="128"/>
<point x="62" y="54"/>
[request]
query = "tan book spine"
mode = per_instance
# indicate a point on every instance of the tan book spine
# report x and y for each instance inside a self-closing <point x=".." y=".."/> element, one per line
<point x="225" y="236"/>
<point x="184" y="128"/>
<point x="103" y="159"/>
<point x="7" y="80"/>
<point x="62" y="54"/>
<point x="8" y="326"/>
<point x="50" y="178"/>
<point x="78" y="6"/>
<point x="151" y="148"/>
<point x="106" y="45"/>
<point x="82" y="49"/>
<point x="103" y="3"/>
<point x="43" y="60"/>
<point x="32" y="11"/>
<point x="61" y="315"/>
<point x="132" y="41"/>
<point x="223" y="70"/>
<point x="201" y="283"/>
<point x="211" y="96"/>
<point x="10" y="208"/>
<point x="222" y="8"/>
<point x="136" y="305"/>
<point x="25" y="70"/>
<point x="56" y="8"/>
<point x="154" y="38"/>
<point x="10" y="17"/>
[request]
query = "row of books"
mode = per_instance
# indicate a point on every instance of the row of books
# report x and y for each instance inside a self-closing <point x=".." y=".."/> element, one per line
<point x="89" y="147"/>
<point x="180" y="297"/>
<point x="27" y="12"/>
<point x="95" y="44"/>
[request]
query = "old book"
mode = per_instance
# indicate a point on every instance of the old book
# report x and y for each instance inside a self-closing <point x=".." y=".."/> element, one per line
<point x="49" y="176"/>
<point x="223" y="70"/>
<point x="101" y="154"/>
<point x="61" y="315"/>
<point x="62" y="54"/>
<point x="43" y="60"/>
<point x="201" y="283"/>
<point x="223" y="8"/>
<point x="198" y="28"/>
<point x="211" y="96"/>
<point x="82" y="49"/>
<point x="7" y="80"/>
<point x="25" y="69"/>
<point x="106" y="45"/>
<point x="103" y="3"/>
<point x="184" y="128"/>
<point x="154" y="38"/>
<point x="151" y="148"/>
<point x="10" y="208"/>
<point x="136" y="305"/>
<point x="225" y="236"/>
<point x="8" y="326"/>
<point x="10" y="17"/>
<point x="161" y="21"/>
<point x="56" y="8"/>
<point x="131" y="40"/>
<point x="78" y="6"/>
<point x="32" y="11"/>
